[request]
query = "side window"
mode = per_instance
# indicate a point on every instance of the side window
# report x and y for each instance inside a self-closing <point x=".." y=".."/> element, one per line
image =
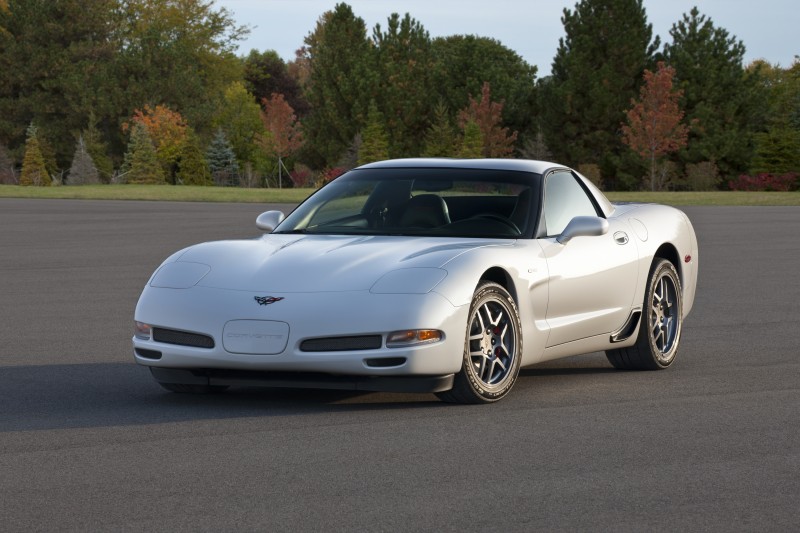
<point x="564" y="199"/>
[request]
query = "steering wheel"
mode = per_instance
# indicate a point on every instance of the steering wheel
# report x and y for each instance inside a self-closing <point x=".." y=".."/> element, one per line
<point x="500" y="218"/>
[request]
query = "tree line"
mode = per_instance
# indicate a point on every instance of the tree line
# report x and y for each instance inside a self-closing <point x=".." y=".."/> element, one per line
<point x="152" y="91"/>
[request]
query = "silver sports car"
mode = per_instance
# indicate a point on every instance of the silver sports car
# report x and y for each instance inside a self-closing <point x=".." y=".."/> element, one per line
<point x="432" y="275"/>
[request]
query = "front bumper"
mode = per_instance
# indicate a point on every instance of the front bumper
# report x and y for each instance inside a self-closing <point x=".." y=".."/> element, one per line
<point x="307" y="316"/>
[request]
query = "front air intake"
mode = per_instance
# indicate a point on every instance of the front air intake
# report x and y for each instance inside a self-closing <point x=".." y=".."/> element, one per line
<point x="182" y="338"/>
<point x="342" y="344"/>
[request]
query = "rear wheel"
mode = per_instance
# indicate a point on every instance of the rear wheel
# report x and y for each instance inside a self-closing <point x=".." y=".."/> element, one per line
<point x="193" y="389"/>
<point x="660" y="327"/>
<point x="492" y="348"/>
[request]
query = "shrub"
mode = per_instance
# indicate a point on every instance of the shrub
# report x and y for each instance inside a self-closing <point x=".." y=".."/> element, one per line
<point x="328" y="175"/>
<point x="765" y="182"/>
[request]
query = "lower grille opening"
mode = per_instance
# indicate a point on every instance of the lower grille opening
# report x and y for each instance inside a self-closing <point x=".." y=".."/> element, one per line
<point x="385" y="362"/>
<point x="342" y="344"/>
<point x="147" y="354"/>
<point x="182" y="338"/>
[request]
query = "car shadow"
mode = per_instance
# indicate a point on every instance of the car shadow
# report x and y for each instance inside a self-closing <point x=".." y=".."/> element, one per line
<point x="41" y="397"/>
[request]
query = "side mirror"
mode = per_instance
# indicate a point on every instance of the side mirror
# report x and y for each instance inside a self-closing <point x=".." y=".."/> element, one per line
<point x="269" y="220"/>
<point x="583" y="227"/>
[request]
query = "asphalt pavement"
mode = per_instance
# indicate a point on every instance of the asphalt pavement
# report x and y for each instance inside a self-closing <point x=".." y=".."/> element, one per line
<point x="89" y="442"/>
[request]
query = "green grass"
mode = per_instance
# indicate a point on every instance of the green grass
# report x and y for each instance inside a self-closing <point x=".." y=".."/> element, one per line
<point x="708" y="198"/>
<point x="293" y="196"/>
<point x="159" y="193"/>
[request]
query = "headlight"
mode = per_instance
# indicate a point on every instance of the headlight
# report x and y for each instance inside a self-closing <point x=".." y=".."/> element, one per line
<point x="412" y="337"/>
<point x="179" y="275"/>
<point x="142" y="331"/>
<point x="409" y="281"/>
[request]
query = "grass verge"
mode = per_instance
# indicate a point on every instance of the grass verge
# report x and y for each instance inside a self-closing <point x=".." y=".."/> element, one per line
<point x="293" y="196"/>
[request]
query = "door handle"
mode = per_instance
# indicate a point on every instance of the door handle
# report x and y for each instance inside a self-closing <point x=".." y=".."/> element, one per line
<point x="621" y="237"/>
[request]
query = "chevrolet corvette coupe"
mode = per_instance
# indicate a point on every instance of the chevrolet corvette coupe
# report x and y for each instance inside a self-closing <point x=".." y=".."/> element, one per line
<point x="424" y="275"/>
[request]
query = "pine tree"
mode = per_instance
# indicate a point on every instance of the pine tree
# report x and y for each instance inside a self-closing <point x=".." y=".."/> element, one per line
<point x="342" y="78"/>
<point x="375" y="140"/>
<point x="404" y="63"/>
<point x="141" y="161"/>
<point x="596" y="72"/>
<point x="222" y="160"/>
<point x="472" y="141"/>
<point x="440" y="139"/>
<point x="34" y="170"/>
<point x="98" y="150"/>
<point x="193" y="168"/>
<point x="82" y="171"/>
<point x="719" y="98"/>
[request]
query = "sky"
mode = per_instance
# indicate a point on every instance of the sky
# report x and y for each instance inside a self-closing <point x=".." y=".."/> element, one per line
<point x="532" y="28"/>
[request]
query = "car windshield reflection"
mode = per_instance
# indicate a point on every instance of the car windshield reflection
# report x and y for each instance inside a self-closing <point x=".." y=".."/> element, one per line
<point x="421" y="202"/>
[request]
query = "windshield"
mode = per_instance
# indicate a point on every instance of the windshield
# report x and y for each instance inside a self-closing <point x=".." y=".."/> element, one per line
<point x="443" y="202"/>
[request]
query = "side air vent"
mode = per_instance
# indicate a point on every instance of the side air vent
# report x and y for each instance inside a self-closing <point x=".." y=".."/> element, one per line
<point x="342" y="344"/>
<point x="384" y="362"/>
<point x="182" y="338"/>
<point x="148" y="354"/>
<point x="627" y="329"/>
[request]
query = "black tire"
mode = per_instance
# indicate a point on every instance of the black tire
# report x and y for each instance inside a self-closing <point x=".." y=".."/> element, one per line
<point x="492" y="348"/>
<point x="660" y="327"/>
<point x="194" y="389"/>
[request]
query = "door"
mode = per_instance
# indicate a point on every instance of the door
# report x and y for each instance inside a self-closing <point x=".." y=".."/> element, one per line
<point x="592" y="280"/>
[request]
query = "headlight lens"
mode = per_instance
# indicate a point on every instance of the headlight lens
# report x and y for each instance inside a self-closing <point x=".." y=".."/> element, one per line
<point x="412" y="337"/>
<point x="142" y="331"/>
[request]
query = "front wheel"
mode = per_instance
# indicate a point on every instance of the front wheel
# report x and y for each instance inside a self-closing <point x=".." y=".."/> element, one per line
<point x="492" y="348"/>
<point x="660" y="327"/>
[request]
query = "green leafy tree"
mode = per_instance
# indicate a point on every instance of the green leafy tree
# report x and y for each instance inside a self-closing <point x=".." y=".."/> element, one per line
<point x="497" y="141"/>
<point x="471" y="141"/>
<point x="82" y="171"/>
<point x="777" y="146"/>
<point x="441" y="139"/>
<point x="340" y="83"/>
<point x="266" y="73"/>
<point x="193" y="168"/>
<point x="222" y="160"/>
<point x="404" y="63"/>
<point x="240" y="119"/>
<point x="375" y="140"/>
<point x="55" y="59"/>
<point x="178" y="53"/>
<point x="34" y="171"/>
<point x="654" y="125"/>
<point x="141" y="163"/>
<point x="463" y="63"/>
<point x="720" y="99"/>
<point x="596" y="72"/>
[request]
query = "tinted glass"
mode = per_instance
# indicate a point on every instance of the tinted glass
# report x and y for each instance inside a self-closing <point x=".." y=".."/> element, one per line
<point x="564" y="199"/>
<point x="428" y="202"/>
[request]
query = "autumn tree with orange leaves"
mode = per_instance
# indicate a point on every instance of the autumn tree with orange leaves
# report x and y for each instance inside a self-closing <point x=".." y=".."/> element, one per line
<point x="654" y="127"/>
<point x="284" y="134"/>
<point x="497" y="141"/>
<point x="167" y="130"/>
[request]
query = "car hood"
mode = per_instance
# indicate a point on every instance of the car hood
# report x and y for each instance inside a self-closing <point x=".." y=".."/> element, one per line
<point x="312" y="263"/>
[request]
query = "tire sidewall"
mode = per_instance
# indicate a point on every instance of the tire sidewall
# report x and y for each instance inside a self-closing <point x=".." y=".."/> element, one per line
<point x="660" y="270"/>
<point x="493" y="292"/>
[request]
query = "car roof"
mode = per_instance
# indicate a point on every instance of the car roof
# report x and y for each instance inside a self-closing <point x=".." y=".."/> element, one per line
<point x="522" y="165"/>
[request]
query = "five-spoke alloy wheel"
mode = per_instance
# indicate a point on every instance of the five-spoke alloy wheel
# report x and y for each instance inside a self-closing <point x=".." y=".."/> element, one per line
<point x="660" y="328"/>
<point x="492" y="349"/>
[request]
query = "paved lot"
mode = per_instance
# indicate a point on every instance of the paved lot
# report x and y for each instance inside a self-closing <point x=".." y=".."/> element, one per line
<point x="89" y="442"/>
